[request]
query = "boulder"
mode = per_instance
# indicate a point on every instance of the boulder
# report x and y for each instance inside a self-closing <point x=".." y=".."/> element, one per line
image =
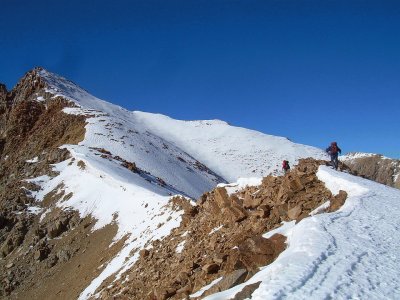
<point x="57" y="155"/>
<point x="233" y="214"/>
<point x="257" y="244"/>
<point x="263" y="211"/>
<point x="144" y="253"/>
<point x="251" y="202"/>
<point x="256" y="252"/>
<point x="278" y="243"/>
<point x="337" y="201"/>
<point x="295" y="184"/>
<point x="221" y="197"/>
<point x="295" y="212"/>
<point x="210" y="268"/>
<point x="246" y="292"/>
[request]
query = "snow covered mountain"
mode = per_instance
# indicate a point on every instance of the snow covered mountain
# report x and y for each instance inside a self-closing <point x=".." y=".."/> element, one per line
<point x="87" y="185"/>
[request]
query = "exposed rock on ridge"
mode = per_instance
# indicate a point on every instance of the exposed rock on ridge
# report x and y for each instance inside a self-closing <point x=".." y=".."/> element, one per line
<point x="222" y="237"/>
<point x="32" y="125"/>
<point x="374" y="167"/>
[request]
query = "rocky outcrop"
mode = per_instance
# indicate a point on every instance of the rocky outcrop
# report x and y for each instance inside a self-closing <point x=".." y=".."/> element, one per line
<point x="374" y="167"/>
<point x="221" y="237"/>
<point x="33" y="129"/>
<point x="27" y="89"/>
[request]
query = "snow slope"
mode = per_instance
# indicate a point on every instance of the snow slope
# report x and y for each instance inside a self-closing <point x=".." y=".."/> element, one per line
<point x="173" y="157"/>
<point x="229" y="151"/>
<point x="349" y="254"/>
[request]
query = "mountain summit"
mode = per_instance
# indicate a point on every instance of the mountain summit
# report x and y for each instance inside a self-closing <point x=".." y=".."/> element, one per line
<point x="98" y="201"/>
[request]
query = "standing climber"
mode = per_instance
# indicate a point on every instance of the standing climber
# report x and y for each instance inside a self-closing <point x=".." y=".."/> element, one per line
<point x="333" y="150"/>
<point x="285" y="166"/>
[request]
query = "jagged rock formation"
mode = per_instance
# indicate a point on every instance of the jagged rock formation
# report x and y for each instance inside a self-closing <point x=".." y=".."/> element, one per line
<point x="222" y="237"/>
<point x="374" y="167"/>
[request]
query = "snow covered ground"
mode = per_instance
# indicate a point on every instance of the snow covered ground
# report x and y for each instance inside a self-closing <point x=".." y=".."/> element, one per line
<point x="349" y="254"/>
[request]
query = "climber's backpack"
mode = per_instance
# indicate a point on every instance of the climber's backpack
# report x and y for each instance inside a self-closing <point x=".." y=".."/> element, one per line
<point x="334" y="148"/>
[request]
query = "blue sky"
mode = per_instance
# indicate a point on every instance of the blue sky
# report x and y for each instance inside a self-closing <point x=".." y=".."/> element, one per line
<point x="313" y="71"/>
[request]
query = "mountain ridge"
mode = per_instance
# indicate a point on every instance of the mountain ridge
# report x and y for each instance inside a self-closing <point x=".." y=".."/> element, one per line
<point x="90" y="187"/>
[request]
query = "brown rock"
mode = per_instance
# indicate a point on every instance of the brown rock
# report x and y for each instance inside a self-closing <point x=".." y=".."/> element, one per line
<point x="251" y="202"/>
<point x="246" y="292"/>
<point x="220" y="258"/>
<point x="233" y="214"/>
<point x="230" y="280"/>
<point x="278" y="243"/>
<point x="295" y="184"/>
<point x="221" y="197"/>
<point x="210" y="268"/>
<point x="182" y="277"/>
<point x="164" y="293"/>
<point x="257" y="244"/>
<point x="337" y="201"/>
<point x="131" y="166"/>
<point x="144" y="253"/>
<point x="186" y="290"/>
<point x="294" y="212"/>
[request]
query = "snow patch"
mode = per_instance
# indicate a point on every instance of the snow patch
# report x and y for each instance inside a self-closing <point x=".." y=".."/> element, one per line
<point x="34" y="210"/>
<point x="215" y="229"/>
<point x="240" y="184"/>
<point x="180" y="246"/>
<point x="33" y="160"/>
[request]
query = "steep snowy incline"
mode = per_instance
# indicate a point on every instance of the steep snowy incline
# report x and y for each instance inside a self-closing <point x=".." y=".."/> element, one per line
<point x="230" y="151"/>
<point x="349" y="254"/>
<point x="116" y="130"/>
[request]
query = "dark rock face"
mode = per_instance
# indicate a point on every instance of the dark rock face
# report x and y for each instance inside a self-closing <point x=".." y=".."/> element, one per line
<point x="375" y="167"/>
